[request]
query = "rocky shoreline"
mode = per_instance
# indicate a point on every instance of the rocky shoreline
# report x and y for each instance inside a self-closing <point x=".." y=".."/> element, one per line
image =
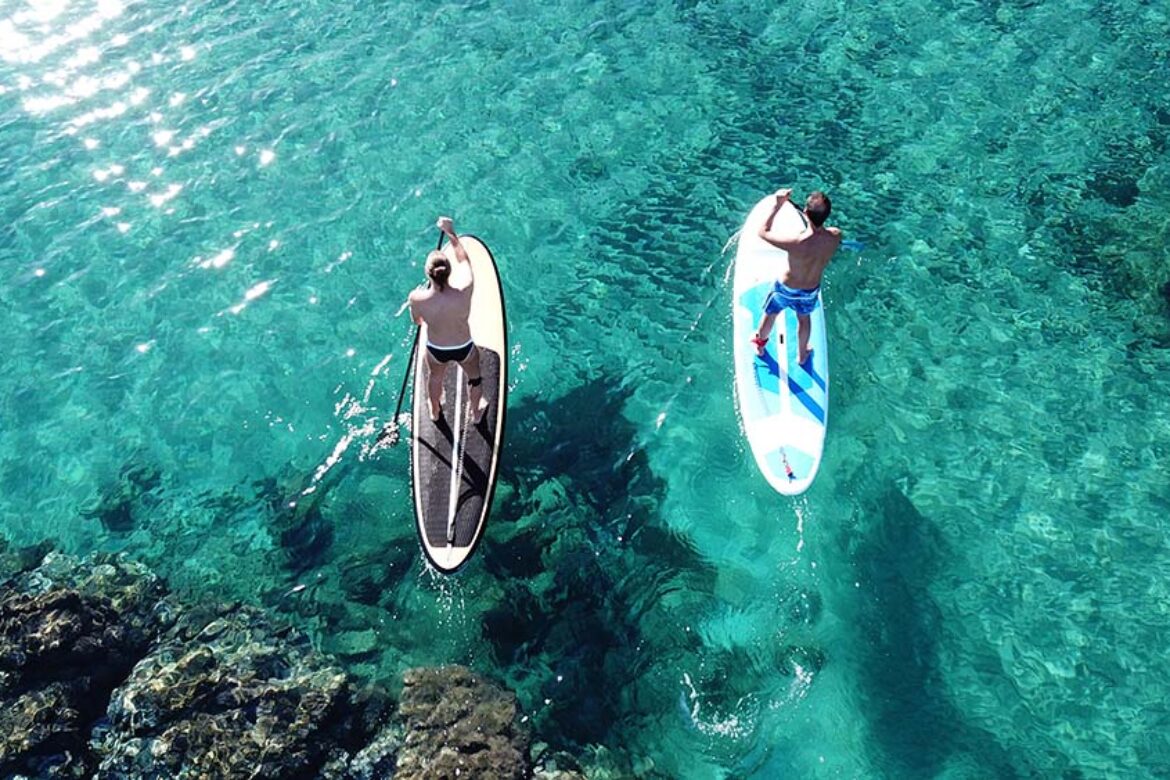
<point x="104" y="673"/>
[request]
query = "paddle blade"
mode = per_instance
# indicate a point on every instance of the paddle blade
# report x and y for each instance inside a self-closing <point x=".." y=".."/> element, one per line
<point x="390" y="435"/>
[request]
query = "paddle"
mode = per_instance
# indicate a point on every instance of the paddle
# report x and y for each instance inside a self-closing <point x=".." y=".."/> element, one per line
<point x="390" y="434"/>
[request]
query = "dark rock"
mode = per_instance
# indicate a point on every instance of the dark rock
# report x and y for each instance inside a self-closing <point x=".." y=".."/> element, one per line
<point x="68" y="637"/>
<point x="518" y="556"/>
<point x="551" y="771"/>
<point x="585" y="565"/>
<point x="515" y="621"/>
<point x="588" y="631"/>
<point x="104" y="675"/>
<point x="459" y="724"/>
<point x="302" y="531"/>
<point x="368" y="579"/>
<point x="243" y="698"/>
<point x="373" y="762"/>
<point x="17" y="560"/>
<point x="354" y="645"/>
<point x="557" y="774"/>
<point x="115" y="506"/>
<point x="1117" y="187"/>
<point x="898" y="554"/>
<point x="670" y="550"/>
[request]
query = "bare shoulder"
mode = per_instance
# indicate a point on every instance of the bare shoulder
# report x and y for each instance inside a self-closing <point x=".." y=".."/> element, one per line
<point x="419" y="294"/>
<point x="835" y="232"/>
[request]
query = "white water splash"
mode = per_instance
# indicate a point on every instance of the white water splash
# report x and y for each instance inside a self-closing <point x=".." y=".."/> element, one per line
<point x="730" y="726"/>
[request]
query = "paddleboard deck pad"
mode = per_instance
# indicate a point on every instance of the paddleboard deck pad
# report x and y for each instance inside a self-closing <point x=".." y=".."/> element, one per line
<point x="784" y="406"/>
<point x="455" y="461"/>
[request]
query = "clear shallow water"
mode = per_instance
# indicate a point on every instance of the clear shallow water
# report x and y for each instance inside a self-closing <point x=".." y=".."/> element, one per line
<point x="211" y="212"/>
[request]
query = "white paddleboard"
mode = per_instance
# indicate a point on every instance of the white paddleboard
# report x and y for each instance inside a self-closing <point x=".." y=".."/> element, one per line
<point x="784" y="406"/>
<point x="454" y="461"/>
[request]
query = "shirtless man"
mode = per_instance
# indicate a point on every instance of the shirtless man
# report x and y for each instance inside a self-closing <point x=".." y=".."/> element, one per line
<point x="808" y="253"/>
<point x="444" y="309"/>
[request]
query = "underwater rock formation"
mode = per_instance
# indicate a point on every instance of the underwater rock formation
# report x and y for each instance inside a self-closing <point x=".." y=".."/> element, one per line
<point x="302" y="532"/>
<point x="115" y="507"/>
<point x="234" y="697"/>
<point x="105" y="674"/>
<point x="898" y="554"/>
<point x="17" y="560"/>
<point x="68" y="637"/>
<point x="583" y="562"/>
<point x="458" y="724"/>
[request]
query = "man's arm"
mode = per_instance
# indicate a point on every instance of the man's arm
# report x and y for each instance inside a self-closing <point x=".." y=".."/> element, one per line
<point x="447" y="225"/>
<point x="785" y="241"/>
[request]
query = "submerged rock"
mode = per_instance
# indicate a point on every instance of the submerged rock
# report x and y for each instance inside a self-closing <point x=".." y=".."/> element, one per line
<point x="244" y="697"/>
<point x="68" y="637"/>
<point x="17" y="560"/>
<point x="116" y="504"/>
<point x="369" y="579"/>
<point x="302" y="531"/>
<point x="458" y="724"/>
<point x="104" y="674"/>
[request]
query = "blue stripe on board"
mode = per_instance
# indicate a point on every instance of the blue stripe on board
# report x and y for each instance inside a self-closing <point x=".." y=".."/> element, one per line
<point x="805" y="384"/>
<point x="807" y="403"/>
<point x="816" y="375"/>
<point x="766" y="368"/>
<point x="810" y="369"/>
<point x="767" y="373"/>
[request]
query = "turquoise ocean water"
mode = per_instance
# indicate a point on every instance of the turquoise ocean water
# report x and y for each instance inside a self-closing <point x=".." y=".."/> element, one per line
<point x="210" y="212"/>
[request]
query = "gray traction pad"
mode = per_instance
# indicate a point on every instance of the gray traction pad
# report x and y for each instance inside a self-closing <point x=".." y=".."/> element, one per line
<point x="435" y="442"/>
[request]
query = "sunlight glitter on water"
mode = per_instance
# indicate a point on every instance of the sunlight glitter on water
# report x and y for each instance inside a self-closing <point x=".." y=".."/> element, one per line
<point x="16" y="46"/>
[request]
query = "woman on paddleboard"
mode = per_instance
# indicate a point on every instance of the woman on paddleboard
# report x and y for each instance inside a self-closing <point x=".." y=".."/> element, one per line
<point x="444" y="309"/>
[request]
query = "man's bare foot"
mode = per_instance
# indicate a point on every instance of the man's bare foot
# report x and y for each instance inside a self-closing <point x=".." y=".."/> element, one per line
<point x="806" y="361"/>
<point x="435" y="410"/>
<point x="483" y="405"/>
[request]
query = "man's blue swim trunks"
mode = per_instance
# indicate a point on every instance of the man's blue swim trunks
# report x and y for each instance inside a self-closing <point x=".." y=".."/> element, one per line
<point x="784" y="297"/>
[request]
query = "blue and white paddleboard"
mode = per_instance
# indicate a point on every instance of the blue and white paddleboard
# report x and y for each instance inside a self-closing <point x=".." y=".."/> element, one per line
<point x="784" y="406"/>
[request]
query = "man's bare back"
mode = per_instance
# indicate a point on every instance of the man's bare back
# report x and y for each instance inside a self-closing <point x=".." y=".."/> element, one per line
<point x="799" y="277"/>
<point x="808" y="251"/>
